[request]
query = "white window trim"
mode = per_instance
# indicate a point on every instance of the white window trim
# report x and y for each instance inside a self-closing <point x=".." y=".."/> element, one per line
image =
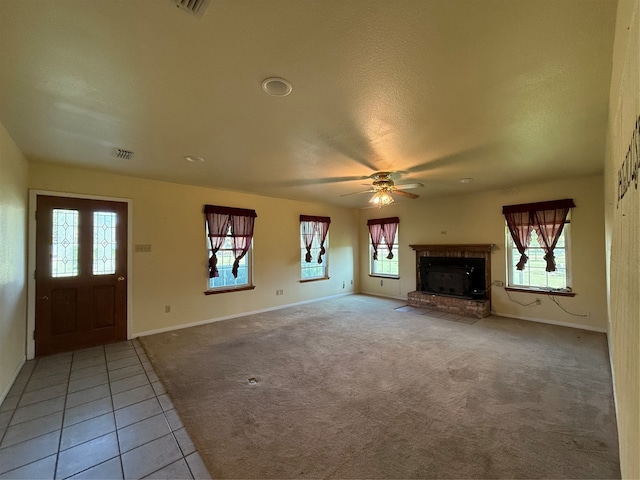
<point x="325" y="259"/>
<point x="230" y="288"/>
<point x="510" y="248"/>
<point x="382" y="250"/>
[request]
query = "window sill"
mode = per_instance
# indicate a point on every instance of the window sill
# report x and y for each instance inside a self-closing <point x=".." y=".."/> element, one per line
<point x="314" y="279"/>
<point x="377" y="275"/>
<point x="229" y="290"/>
<point x="539" y="291"/>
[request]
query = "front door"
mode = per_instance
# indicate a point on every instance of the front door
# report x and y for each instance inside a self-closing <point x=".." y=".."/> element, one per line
<point x="81" y="267"/>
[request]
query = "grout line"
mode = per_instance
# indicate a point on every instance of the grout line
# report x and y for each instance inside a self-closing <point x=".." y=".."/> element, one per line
<point x="115" y="423"/>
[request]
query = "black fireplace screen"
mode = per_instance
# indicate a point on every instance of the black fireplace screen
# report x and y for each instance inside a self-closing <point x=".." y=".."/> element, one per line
<point x="461" y="277"/>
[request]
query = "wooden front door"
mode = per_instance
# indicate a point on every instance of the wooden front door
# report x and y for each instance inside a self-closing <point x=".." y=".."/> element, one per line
<point x="81" y="268"/>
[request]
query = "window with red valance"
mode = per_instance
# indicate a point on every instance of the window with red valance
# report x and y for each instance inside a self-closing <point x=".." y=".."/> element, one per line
<point x="314" y="232"/>
<point x="230" y="234"/>
<point x="384" y="234"/>
<point x="548" y="220"/>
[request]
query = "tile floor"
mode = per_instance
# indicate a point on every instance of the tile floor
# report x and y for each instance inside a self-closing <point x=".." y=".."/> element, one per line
<point x="95" y="413"/>
<point x="431" y="312"/>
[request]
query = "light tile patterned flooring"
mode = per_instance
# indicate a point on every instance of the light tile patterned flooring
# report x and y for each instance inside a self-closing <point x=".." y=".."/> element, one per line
<point x="95" y="413"/>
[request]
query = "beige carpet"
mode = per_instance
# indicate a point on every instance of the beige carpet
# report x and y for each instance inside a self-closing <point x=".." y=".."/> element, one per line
<point x="352" y="388"/>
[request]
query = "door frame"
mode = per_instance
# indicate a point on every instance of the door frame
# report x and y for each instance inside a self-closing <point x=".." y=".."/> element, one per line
<point x="31" y="259"/>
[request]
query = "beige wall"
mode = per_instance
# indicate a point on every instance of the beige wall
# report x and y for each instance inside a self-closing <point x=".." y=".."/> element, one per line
<point x="169" y="217"/>
<point x="623" y="236"/>
<point x="13" y="247"/>
<point x="477" y="218"/>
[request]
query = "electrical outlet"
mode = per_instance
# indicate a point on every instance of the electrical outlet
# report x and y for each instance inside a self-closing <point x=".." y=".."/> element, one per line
<point x="167" y="309"/>
<point x="343" y="284"/>
<point x="381" y="283"/>
<point x="499" y="283"/>
<point x="351" y="282"/>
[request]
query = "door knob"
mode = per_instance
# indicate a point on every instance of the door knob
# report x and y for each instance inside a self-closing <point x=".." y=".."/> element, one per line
<point x="121" y="279"/>
<point x="43" y="298"/>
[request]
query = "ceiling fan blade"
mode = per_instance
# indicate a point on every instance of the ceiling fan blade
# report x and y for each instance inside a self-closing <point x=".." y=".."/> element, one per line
<point x="357" y="193"/>
<point x="317" y="181"/>
<point x="407" y="186"/>
<point x="405" y="194"/>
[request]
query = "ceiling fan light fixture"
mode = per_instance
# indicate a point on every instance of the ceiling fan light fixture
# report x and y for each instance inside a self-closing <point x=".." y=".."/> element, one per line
<point x="381" y="198"/>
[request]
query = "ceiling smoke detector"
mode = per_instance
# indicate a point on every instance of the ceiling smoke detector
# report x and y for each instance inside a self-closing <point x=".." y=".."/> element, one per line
<point x="194" y="7"/>
<point x="276" y="87"/>
<point x="122" y="153"/>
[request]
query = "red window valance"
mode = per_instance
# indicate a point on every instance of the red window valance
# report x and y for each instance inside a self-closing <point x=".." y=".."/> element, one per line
<point x="311" y="218"/>
<point x="533" y="207"/>
<point x="241" y="212"/>
<point x="382" y="221"/>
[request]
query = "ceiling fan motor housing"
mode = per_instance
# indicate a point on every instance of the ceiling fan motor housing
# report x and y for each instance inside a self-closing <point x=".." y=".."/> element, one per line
<point x="382" y="181"/>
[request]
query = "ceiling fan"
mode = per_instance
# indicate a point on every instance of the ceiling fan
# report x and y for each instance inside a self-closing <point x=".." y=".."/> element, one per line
<point x="383" y="186"/>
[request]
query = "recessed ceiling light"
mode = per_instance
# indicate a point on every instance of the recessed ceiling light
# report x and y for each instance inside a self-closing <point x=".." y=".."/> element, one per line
<point x="192" y="159"/>
<point x="276" y="86"/>
<point x="466" y="180"/>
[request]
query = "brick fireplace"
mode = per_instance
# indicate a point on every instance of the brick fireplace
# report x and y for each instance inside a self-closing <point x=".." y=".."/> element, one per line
<point x="453" y="278"/>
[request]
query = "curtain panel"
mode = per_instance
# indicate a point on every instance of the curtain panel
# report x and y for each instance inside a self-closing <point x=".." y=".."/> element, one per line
<point x="236" y="223"/>
<point x="383" y="228"/>
<point x="547" y="219"/>
<point x="312" y="225"/>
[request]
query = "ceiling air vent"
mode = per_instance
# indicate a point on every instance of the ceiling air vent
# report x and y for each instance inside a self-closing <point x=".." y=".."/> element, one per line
<point x="194" y="7"/>
<point x="122" y="153"/>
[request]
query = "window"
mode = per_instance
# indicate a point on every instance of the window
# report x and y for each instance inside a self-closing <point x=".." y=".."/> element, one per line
<point x="105" y="225"/>
<point x="534" y="275"/>
<point x="314" y="244"/>
<point x="383" y="248"/>
<point x="224" y="265"/>
<point x="230" y="240"/>
<point x="538" y="244"/>
<point x="64" y="243"/>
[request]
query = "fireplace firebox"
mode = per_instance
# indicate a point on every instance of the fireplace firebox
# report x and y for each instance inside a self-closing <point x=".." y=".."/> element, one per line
<point x="461" y="277"/>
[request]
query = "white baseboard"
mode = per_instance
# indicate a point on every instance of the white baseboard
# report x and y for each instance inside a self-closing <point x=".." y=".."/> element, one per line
<point x="5" y="392"/>
<point x="237" y="315"/>
<point x="551" y="322"/>
<point x="378" y="294"/>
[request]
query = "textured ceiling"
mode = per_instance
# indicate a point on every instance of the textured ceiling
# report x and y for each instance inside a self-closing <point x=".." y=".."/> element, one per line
<point x="507" y="92"/>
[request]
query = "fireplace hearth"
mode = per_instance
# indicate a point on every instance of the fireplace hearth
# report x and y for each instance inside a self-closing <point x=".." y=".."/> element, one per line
<point x="453" y="278"/>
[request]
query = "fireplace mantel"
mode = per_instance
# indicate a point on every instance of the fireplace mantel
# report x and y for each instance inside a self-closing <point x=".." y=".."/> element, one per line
<point x="460" y="247"/>
<point x="461" y="306"/>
